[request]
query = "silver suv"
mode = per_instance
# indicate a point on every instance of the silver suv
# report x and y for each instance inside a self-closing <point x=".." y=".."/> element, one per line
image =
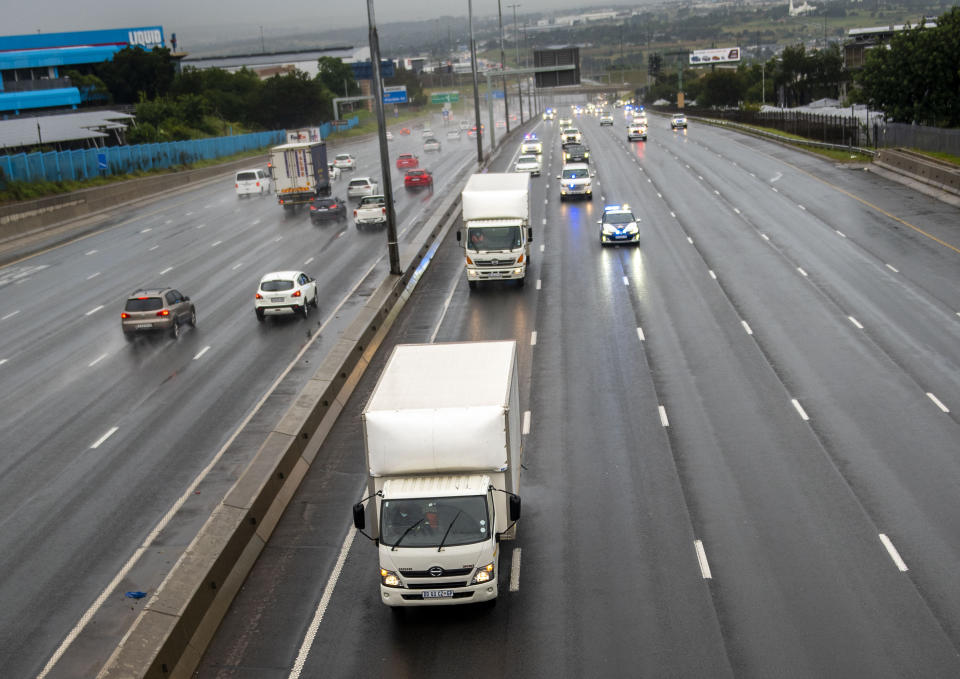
<point x="157" y="310"/>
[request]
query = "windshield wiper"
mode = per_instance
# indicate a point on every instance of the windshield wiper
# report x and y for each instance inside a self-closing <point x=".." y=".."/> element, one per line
<point x="449" y="528"/>
<point x="409" y="528"/>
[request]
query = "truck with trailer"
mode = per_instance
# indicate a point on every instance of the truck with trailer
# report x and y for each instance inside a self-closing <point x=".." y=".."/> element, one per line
<point x="444" y="453"/>
<point x="497" y="234"/>
<point x="300" y="173"/>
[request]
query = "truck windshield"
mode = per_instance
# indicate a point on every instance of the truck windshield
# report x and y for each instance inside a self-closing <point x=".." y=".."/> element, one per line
<point x="432" y="521"/>
<point x="487" y="238"/>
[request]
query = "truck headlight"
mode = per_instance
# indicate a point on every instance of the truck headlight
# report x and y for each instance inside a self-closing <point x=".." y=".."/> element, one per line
<point x="389" y="578"/>
<point x="484" y="574"/>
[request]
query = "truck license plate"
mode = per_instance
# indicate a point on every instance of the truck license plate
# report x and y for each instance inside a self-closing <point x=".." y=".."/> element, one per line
<point x="438" y="594"/>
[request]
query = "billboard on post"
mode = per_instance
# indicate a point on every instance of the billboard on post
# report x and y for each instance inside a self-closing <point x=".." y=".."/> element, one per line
<point x="565" y="56"/>
<point x="715" y="56"/>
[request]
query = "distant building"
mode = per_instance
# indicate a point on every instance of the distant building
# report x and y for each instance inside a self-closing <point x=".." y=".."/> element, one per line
<point x="860" y="40"/>
<point x="32" y="66"/>
<point x="798" y="10"/>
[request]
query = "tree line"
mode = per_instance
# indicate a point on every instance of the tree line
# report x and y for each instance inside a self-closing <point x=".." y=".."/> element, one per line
<point x="913" y="79"/>
<point x="195" y="103"/>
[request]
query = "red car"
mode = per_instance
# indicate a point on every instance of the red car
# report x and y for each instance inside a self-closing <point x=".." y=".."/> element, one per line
<point x="407" y="160"/>
<point x="415" y="178"/>
<point x="404" y="130"/>
<point x="472" y="132"/>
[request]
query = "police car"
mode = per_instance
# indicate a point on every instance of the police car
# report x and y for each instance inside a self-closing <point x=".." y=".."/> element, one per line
<point x="619" y="225"/>
<point x="531" y="144"/>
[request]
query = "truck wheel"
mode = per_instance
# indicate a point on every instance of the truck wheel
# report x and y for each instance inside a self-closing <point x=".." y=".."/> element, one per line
<point x="522" y="281"/>
<point x="472" y="285"/>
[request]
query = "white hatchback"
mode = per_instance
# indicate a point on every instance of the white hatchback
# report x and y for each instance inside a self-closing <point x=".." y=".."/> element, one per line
<point x="360" y="187"/>
<point x="285" y="292"/>
<point x="529" y="163"/>
<point x="250" y="182"/>
<point x="345" y="161"/>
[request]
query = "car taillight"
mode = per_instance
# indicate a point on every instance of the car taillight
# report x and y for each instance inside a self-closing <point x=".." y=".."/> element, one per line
<point x="383" y="210"/>
<point x="296" y="294"/>
<point x="163" y="312"/>
<point x="258" y="183"/>
<point x="333" y="205"/>
<point x="258" y="296"/>
<point x="124" y="315"/>
<point x="237" y="185"/>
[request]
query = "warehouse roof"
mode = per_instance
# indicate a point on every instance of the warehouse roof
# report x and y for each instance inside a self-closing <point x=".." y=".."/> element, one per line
<point x="18" y="133"/>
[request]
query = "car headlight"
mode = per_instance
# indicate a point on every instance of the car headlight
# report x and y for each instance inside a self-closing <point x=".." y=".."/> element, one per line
<point x="389" y="578"/>
<point x="484" y="574"/>
<point x="632" y="228"/>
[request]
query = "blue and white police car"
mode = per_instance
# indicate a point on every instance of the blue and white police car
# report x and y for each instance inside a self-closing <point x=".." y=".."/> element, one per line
<point x="619" y="225"/>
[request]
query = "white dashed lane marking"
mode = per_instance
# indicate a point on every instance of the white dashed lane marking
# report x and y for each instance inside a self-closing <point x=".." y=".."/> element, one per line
<point x="202" y="352"/>
<point x="99" y="441"/>
<point x="96" y="360"/>
<point x="93" y="310"/>
<point x="799" y="408"/>
<point x="10" y="315"/>
<point x="167" y="270"/>
<point x="938" y="402"/>
<point x="894" y="554"/>
<point x="702" y="560"/>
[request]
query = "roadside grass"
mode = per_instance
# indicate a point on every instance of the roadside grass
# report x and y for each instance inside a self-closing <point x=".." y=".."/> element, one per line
<point x="945" y="157"/>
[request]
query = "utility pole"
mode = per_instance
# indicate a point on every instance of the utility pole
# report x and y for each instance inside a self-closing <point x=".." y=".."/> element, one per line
<point x="476" y="89"/>
<point x="503" y="66"/>
<point x="392" y="248"/>
<point x="516" y="51"/>
<point x="263" y="46"/>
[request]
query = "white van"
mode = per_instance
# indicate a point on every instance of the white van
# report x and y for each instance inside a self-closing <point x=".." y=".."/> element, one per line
<point x="252" y="181"/>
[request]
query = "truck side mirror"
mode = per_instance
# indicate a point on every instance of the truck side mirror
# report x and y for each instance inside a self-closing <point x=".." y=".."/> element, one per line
<point x="360" y="516"/>
<point x="514" y="508"/>
<point x="459" y="237"/>
<point x="530" y="234"/>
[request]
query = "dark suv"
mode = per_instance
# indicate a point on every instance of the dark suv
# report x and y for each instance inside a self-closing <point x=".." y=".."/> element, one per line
<point x="156" y="310"/>
<point x="327" y="208"/>
<point x="576" y="153"/>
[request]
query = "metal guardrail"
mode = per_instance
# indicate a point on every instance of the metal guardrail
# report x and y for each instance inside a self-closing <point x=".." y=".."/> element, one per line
<point x="786" y="140"/>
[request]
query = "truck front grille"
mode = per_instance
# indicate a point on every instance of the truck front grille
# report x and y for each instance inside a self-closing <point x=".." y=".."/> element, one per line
<point x="436" y="585"/>
<point x="449" y="573"/>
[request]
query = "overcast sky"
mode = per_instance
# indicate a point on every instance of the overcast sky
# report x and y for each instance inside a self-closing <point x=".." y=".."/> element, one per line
<point x="179" y="16"/>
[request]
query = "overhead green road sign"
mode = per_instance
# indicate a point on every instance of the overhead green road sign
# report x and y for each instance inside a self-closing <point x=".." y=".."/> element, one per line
<point x="444" y="97"/>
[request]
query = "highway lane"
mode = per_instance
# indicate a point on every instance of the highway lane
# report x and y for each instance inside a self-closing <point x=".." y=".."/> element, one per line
<point x="711" y="386"/>
<point x="102" y="437"/>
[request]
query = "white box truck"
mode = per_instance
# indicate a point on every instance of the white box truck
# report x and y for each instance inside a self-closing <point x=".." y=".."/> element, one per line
<point x="442" y="434"/>
<point x="497" y="233"/>
<point x="300" y="173"/>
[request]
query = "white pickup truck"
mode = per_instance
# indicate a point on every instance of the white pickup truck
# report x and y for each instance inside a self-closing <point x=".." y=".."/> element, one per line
<point x="371" y="210"/>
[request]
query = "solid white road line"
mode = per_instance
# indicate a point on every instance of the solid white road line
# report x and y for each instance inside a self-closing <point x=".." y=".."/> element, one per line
<point x="892" y="268"/>
<point x="938" y="402"/>
<point x="640" y="334"/>
<point x="322" y="607"/>
<point x="526" y="422"/>
<point x="10" y="315"/>
<point x="855" y="322"/>
<point x="93" y="275"/>
<point x="712" y="274"/>
<point x="746" y="327"/>
<point x="702" y="560"/>
<point x="93" y="310"/>
<point x="187" y="494"/>
<point x="167" y="270"/>
<point x="533" y="338"/>
<point x="803" y="413"/>
<point x="110" y="432"/>
<point x="202" y="352"/>
<point x="894" y="554"/>
<point x="663" y="416"/>
<point x="515" y="570"/>
<point x="802" y="272"/>
<point x="96" y="360"/>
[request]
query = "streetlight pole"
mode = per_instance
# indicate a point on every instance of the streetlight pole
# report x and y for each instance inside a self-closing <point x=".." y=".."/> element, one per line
<point x="503" y="66"/>
<point x="392" y="248"/>
<point x="476" y="89"/>
<point x="516" y="48"/>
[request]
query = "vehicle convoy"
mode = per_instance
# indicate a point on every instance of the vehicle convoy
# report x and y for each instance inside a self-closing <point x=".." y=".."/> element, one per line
<point x="371" y="210"/>
<point x="444" y="464"/>
<point x="619" y="225"/>
<point x="497" y="231"/>
<point x="678" y="121"/>
<point x="531" y="144"/>
<point x="300" y="173"/>
<point x="576" y="180"/>
<point x="575" y="153"/>
<point x="323" y="209"/>
<point x="529" y="163"/>
<point x="570" y="135"/>
<point x="636" y="132"/>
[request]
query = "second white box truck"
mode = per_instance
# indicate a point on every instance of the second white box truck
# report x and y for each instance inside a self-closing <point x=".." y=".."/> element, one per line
<point x="442" y="434"/>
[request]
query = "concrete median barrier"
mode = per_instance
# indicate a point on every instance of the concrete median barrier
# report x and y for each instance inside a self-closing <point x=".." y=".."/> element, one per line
<point x="921" y="168"/>
<point x="171" y="633"/>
